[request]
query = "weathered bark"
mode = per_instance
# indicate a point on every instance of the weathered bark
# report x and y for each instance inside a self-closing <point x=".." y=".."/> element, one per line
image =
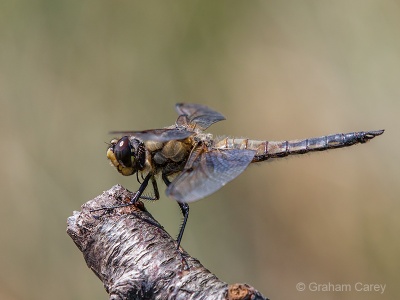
<point x="136" y="258"/>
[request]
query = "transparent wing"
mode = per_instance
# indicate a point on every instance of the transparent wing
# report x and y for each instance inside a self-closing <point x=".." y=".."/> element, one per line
<point x="157" y="135"/>
<point x="200" y="115"/>
<point x="208" y="172"/>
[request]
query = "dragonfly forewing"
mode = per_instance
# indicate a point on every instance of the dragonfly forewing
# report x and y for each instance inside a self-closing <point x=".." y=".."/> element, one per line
<point x="158" y="135"/>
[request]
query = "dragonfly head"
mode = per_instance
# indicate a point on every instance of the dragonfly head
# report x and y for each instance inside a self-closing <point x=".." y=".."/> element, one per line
<point x="127" y="155"/>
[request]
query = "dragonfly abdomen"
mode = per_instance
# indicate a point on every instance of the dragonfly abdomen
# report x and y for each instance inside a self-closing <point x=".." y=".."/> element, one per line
<point x="339" y="140"/>
<point x="274" y="149"/>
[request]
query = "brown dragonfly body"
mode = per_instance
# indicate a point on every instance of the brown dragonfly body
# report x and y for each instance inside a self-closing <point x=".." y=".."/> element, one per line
<point x="193" y="165"/>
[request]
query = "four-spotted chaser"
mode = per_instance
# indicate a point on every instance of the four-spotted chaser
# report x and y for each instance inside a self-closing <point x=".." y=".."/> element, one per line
<point x="193" y="165"/>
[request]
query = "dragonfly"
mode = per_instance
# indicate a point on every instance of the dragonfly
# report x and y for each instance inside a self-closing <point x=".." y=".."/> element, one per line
<point x="193" y="164"/>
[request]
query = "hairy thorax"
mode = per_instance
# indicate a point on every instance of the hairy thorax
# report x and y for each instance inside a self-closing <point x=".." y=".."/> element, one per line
<point x="170" y="155"/>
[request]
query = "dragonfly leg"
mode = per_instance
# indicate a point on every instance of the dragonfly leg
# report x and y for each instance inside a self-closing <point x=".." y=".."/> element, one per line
<point x="185" y="212"/>
<point x="136" y="196"/>
<point x="155" y="190"/>
<point x="141" y="189"/>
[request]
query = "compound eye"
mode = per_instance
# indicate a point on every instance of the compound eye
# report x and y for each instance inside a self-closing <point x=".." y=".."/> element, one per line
<point x="123" y="153"/>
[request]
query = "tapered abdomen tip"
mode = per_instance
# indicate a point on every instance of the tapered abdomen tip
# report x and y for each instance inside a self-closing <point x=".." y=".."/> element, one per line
<point x="372" y="134"/>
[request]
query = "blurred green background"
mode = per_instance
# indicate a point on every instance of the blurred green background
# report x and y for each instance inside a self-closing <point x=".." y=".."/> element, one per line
<point x="71" y="71"/>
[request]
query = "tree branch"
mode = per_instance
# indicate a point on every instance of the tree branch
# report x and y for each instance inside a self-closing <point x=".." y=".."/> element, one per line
<point x="136" y="258"/>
